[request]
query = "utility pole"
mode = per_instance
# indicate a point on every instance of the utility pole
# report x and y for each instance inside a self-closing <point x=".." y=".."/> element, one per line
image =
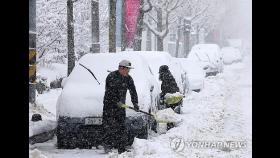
<point x="32" y="51"/>
<point x="186" y="33"/>
<point x="112" y="26"/>
<point x="119" y="24"/>
<point x="95" y="26"/>
<point x="70" y="37"/>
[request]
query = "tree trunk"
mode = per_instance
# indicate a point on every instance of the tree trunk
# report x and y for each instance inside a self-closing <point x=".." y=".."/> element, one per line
<point x="178" y="38"/>
<point x="138" y="36"/>
<point x="149" y="40"/>
<point x="139" y="28"/>
<point x="112" y="27"/>
<point x="197" y="35"/>
<point x="123" y="45"/>
<point x="95" y="26"/>
<point x="186" y="33"/>
<point x="159" y="28"/>
<point x="70" y="37"/>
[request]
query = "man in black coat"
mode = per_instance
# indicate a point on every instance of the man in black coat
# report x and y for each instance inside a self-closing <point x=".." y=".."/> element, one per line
<point x="117" y="84"/>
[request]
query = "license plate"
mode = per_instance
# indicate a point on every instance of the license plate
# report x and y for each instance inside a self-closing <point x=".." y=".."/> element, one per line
<point x="93" y="121"/>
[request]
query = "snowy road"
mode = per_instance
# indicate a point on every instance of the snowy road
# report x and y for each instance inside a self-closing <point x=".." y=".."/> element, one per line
<point x="221" y="112"/>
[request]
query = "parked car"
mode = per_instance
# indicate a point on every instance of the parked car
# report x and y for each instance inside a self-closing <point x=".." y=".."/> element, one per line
<point x="156" y="59"/>
<point x="231" y="55"/>
<point x="238" y="44"/>
<point x="209" y="55"/>
<point x="80" y="105"/>
<point x="195" y="73"/>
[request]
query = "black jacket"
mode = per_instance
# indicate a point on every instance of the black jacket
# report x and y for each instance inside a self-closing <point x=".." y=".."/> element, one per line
<point x="115" y="91"/>
<point x="168" y="84"/>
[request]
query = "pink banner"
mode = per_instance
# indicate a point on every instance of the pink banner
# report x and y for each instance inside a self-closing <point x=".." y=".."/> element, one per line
<point x="131" y="14"/>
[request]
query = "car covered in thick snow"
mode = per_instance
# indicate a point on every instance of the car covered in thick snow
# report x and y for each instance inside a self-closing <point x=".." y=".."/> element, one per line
<point x="209" y="55"/>
<point x="231" y="55"/>
<point x="238" y="44"/>
<point x="80" y="105"/>
<point x="155" y="59"/>
<point x="195" y="73"/>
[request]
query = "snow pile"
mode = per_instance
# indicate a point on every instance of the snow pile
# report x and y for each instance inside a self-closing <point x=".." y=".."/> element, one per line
<point x="48" y="100"/>
<point x="144" y="148"/>
<point x="231" y="55"/>
<point x="52" y="71"/>
<point x="41" y="127"/>
<point x="177" y="94"/>
<point x="42" y="110"/>
<point x="36" y="154"/>
<point x="168" y="115"/>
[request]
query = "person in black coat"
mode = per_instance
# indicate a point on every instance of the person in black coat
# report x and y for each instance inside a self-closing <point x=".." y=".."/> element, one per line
<point x="168" y="84"/>
<point x="117" y="84"/>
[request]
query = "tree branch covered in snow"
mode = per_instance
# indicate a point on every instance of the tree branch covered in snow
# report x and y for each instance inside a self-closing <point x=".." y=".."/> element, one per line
<point x="52" y="29"/>
<point x="167" y="7"/>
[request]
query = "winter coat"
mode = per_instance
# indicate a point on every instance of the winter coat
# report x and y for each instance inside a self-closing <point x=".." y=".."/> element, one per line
<point x="168" y="84"/>
<point x="115" y="91"/>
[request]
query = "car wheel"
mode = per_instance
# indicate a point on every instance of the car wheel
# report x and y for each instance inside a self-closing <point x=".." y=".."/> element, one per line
<point x="62" y="139"/>
<point x="65" y="139"/>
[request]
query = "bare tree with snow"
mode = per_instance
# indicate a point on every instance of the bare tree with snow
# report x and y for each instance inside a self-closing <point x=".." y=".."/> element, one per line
<point x="162" y="9"/>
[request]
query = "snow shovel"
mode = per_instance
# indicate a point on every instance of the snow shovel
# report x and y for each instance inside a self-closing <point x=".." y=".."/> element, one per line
<point x="153" y="115"/>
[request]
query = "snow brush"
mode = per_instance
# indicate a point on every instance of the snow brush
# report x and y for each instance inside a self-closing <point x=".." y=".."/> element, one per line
<point x="152" y="115"/>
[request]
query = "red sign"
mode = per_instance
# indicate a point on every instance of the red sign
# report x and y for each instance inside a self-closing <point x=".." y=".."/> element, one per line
<point x="131" y="15"/>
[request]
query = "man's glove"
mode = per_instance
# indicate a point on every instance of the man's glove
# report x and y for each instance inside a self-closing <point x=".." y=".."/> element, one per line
<point x="136" y="107"/>
<point x="122" y="105"/>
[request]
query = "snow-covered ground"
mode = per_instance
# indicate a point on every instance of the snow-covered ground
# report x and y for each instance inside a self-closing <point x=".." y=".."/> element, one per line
<point x="221" y="112"/>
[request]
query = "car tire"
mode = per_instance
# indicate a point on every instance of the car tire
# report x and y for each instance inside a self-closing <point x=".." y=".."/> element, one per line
<point x="65" y="139"/>
<point x="62" y="140"/>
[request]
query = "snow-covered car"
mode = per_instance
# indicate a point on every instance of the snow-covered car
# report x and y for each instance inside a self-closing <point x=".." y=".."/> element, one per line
<point x="195" y="73"/>
<point x="80" y="105"/>
<point x="210" y="57"/>
<point x="238" y="44"/>
<point x="231" y="55"/>
<point x="155" y="59"/>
